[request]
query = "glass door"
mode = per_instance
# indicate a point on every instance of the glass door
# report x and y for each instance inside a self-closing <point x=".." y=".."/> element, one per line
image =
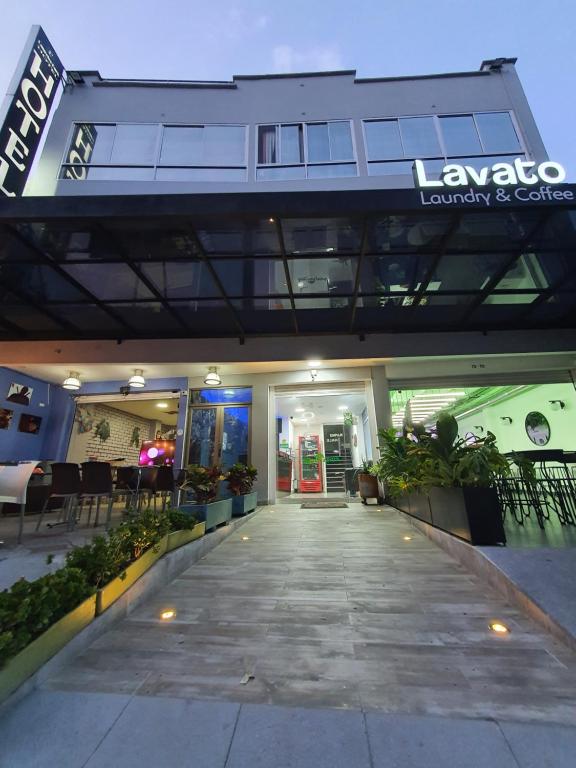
<point x="219" y="430"/>
<point x="234" y="435"/>
<point x="203" y="430"/>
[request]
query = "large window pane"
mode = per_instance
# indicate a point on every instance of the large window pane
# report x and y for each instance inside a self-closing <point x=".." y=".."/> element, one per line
<point x="318" y="143"/>
<point x="419" y="137"/>
<point x="201" y="174"/>
<point x="340" y="141"/>
<point x="291" y="144"/>
<point x="497" y="132"/>
<point x="383" y="140"/>
<point x="224" y="145"/>
<point x="460" y="136"/>
<point x="181" y="146"/>
<point x="135" y="144"/>
<point x="332" y="171"/>
<point x="267" y="144"/>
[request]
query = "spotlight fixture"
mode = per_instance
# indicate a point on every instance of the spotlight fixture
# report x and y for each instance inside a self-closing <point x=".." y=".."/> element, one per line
<point x="170" y="613"/>
<point x="212" y="377"/>
<point x="557" y="405"/>
<point x="499" y="628"/>
<point x="72" y="381"/>
<point x="137" y="380"/>
<point x="506" y="419"/>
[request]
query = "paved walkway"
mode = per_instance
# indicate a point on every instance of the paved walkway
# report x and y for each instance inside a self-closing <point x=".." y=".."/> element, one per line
<point x="324" y="638"/>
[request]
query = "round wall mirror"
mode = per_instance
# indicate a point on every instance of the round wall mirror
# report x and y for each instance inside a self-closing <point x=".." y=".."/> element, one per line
<point x="537" y="428"/>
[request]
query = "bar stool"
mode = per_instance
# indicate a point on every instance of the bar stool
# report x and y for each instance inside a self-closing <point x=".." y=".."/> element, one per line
<point x="97" y="484"/>
<point x="65" y="485"/>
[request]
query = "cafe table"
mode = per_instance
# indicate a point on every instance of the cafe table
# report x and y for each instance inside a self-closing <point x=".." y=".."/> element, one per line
<point x="14" y="479"/>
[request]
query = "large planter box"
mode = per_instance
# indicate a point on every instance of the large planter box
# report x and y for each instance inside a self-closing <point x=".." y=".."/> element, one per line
<point x="180" y="538"/>
<point x="31" y="658"/>
<point x="213" y="514"/>
<point x="244" y="503"/>
<point x="472" y="514"/>
<point x="116" y="588"/>
<point x="368" y="487"/>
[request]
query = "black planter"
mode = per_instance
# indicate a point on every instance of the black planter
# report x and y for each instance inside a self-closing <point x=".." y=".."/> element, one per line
<point x="472" y="514"/>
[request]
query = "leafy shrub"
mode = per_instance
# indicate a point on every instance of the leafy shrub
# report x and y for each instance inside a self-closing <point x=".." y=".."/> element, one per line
<point x="180" y="521"/>
<point x="240" y="478"/>
<point x="203" y="482"/>
<point x="29" y="608"/>
<point x="421" y="459"/>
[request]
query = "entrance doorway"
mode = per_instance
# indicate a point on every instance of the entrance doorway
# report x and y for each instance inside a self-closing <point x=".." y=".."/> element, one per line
<point x="322" y="438"/>
<point x="219" y="432"/>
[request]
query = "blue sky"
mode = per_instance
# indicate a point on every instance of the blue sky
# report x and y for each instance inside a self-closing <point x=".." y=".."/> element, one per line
<point x="187" y="39"/>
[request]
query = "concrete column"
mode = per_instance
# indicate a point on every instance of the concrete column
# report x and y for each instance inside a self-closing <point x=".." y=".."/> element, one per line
<point x="379" y="410"/>
<point x="259" y="454"/>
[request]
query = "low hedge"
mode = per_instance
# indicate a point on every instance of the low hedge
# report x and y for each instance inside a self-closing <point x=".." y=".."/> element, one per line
<point x="29" y="608"/>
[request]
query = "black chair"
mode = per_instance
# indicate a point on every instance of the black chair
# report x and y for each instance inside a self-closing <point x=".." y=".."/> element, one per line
<point x="127" y="485"/>
<point x="165" y="485"/>
<point x="65" y="485"/>
<point x="147" y="486"/>
<point x="97" y="484"/>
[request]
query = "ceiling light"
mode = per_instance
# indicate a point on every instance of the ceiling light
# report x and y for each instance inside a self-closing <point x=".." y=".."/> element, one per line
<point x="271" y="220"/>
<point x="72" y="382"/>
<point x="314" y="363"/>
<point x="229" y="392"/>
<point x="299" y="410"/>
<point x="342" y="407"/>
<point x="137" y="380"/>
<point x="161" y="405"/>
<point x="212" y="378"/>
<point x="168" y="614"/>
<point x="499" y="628"/>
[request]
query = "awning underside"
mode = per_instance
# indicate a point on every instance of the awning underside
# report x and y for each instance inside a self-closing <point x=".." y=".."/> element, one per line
<point x="244" y="274"/>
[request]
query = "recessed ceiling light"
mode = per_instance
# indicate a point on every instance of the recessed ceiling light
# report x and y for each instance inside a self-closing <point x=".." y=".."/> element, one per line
<point x="499" y="628"/>
<point x="314" y="363"/>
<point x="299" y="410"/>
<point x="245" y="538"/>
<point x="161" y="405"/>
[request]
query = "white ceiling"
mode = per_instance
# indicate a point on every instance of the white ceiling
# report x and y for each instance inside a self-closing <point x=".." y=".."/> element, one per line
<point x="148" y="409"/>
<point x="319" y="409"/>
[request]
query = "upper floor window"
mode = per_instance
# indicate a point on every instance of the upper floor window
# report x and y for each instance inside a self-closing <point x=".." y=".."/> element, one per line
<point x="390" y="142"/>
<point x="305" y="150"/>
<point x="141" y="151"/>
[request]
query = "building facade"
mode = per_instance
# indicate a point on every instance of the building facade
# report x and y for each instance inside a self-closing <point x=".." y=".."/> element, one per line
<point x="385" y="234"/>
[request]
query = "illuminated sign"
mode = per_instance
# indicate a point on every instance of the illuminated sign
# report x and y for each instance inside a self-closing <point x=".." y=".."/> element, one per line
<point x="30" y="98"/>
<point x="521" y="181"/>
<point x="500" y="174"/>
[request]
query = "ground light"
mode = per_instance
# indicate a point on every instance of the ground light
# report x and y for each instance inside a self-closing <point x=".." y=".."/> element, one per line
<point x="499" y="628"/>
<point x="407" y="538"/>
<point x="168" y="614"/>
<point x="245" y="538"/>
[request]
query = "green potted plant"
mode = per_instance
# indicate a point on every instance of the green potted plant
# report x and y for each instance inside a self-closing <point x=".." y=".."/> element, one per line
<point x="201" y="484"/>
<point x="240" y="479"/>
<point x="446" y="480"/>
<point x="368" y="482"/>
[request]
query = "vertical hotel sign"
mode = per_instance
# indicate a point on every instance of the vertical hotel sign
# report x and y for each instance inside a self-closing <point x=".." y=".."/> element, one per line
<point x="28" y="103"/>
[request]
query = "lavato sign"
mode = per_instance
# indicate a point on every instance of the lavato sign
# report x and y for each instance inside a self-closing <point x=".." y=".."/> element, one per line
<point x="520" y="180"/>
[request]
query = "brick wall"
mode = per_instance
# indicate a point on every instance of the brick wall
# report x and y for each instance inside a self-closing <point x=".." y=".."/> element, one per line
<point x="121" y="427"/>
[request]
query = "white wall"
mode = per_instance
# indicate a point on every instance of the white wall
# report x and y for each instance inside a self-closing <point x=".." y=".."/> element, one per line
<point x="513" y="437"/>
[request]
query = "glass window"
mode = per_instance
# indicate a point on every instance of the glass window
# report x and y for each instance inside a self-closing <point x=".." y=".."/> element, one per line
<point x="224" y="145"/>
<point x="134" y="144"/>
<point x="216" y="395"/>
<point x="275" y="174"/>
<point x="331" y="171"/>
<point x="318" y="142"/>
<point x="402" y="168"/>
<point x="497" y="132"/>
<point x="267" y="144"/>
<point x="340" y="141"/>
<point x="291" y="144"/>
<point x="419" y="137"/>
<point x="383" y="140"/>
<point x="201" y="174"/>
<point x="181" y="146"/>
<point x="460" y="135"/>
<point x="120" y="174"/>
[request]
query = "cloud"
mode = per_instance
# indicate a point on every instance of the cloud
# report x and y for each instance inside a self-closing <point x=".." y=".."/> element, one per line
<point x="237" y="24"/>
<point x="318" y="58"/>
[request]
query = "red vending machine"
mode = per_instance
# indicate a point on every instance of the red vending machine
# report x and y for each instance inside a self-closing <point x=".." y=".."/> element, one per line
<point x="310" y="464"/>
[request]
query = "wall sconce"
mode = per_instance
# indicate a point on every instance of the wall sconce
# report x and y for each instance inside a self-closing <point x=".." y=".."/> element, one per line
<point x="557" y="405"/>
<point x="313" y="374"/>
<point x="506" y="419"/>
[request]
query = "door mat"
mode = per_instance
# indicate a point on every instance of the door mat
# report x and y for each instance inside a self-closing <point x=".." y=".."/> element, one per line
<point x="324" y="505"/>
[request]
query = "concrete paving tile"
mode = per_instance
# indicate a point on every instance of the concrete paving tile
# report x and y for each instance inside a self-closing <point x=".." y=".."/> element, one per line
<point x="56" y="728"/>
<point x="173" y="732"/>
<point x="298" y="738"/>
<point x="399" y="741"/>
<point x="541" y="746"/>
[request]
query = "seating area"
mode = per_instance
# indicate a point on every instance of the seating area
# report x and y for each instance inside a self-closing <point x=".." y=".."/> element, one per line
<point x="71" y="495"/>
